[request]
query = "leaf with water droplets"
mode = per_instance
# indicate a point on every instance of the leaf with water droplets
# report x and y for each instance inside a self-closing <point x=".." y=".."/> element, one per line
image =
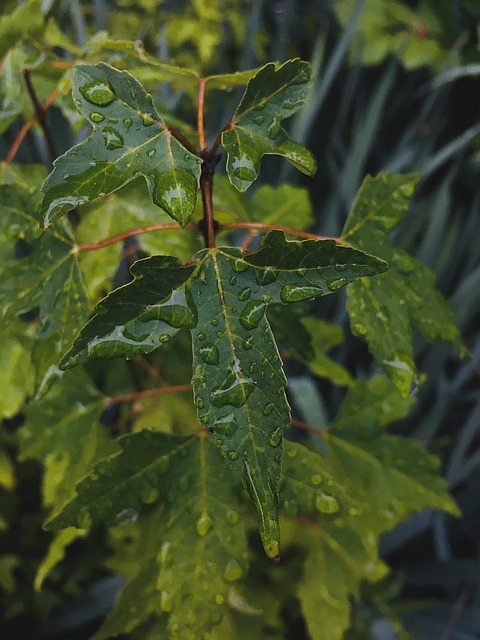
<point x="238" y="379"/>
<point x="199" y="548"/>
<point x="384" y="309"/>
<point x="40" y="274"/>
<point x="127" y="134"/>
<point x="138" y="317"/>
<point x="273" y="94"/>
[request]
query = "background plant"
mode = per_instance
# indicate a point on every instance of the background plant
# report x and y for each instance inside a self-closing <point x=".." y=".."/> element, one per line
<point x="445" y="148"/>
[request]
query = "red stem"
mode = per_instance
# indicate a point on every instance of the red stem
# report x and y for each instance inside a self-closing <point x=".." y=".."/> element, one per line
<point x="308" y="427"/>
<point x="261" y="226"/>
<point x="147" y="393"/>
<point x="133" y="232"/>
<point x="200" y="114"/>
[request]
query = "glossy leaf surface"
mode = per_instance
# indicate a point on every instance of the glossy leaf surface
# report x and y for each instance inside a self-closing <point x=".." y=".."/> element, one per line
<point x="129" y="139"/>
<point x="200" y="541"/>
<point x="383" y="310"/>
<point x="273" y="94"/>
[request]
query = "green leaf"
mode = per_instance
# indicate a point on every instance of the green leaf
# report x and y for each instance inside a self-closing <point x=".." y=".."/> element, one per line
<point x="11" y="87"/>
<point x="129" y="139"/>
<point x="273" y="94"/>
<point x="138" y="317"/>
<point x="47" y="279"/>
<point x="201" y="545"/>
<point x="56" y="553"/>
<point x="16" y="369"/>
<point x="284" y="205"/>
<point x="25" y="20"/>
<point x="64" y="433"/>
<point x="384" y="309"/>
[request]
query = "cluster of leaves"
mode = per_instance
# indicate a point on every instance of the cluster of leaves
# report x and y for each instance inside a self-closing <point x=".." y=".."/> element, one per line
<point x="169" y="484"/>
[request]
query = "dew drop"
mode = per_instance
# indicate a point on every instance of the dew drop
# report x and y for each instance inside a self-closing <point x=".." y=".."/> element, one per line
<point x="98" y="92"/>
<point x="113" y="120"/>
<point x="266" y="276"/>
<point x="301" y="272"/>
<point x="239" y="265"/>
<point x="245" y="174"/>
<point x="296" y="292"/>
<point x="214" y="322"/>
<point x="233" y="280"/>
<point x="234" y="391"/>
<point x="326" y="504"/>
<point x="252" y="314"/>
<point x="199" y="402"/>
<point x="259" y="120"/>
<point x="201" y="336"/>
<point x="316" y="479"/>
<point x="335" y="285"/>
<point x="225" y="426"/>
<point x="233" y="571"/>
<point x="245" y="294"/>
<point x="164" y="337"/>
<point x="204" y="524"/>
<point x="209" y="353"/>
<point x="248" y="343"/>
<point x="127" y="123"/>
<point x="147" y="119"/>
<point x="113" y="140"/>
<point x="151" y="153"/>
<point x="275" y="438"/>
<point x="233" y="455"/>
<point x="96" y="117"/>
<point x="268" y="409"/>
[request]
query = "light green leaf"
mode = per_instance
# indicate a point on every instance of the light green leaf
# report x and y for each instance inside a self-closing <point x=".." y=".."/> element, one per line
<point x="201" y="544"/>
<point x="139" y="317"/>
<point x="63" y="432"/>
<point x="47" y="278"/>
<point x="25" y="20"/>
<point x="384" y="309"/>
<point x="11" y="87"/>
<point x="284" y="205"/>
<point x="129" y="139"/>
<point x="16" y="369"/>
<point x="56" y="553"/>
<point x="273" y="94"/>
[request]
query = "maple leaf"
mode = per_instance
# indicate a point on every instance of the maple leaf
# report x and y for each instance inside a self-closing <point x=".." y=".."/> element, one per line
<point x="384" y="309"/>
<point x="129" y="139"/>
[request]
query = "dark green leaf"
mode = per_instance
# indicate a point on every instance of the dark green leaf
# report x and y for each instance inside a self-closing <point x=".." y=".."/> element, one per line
<point x="139" y="317"/>
<point x="129" y="139"/>
<point x="383" y="309"/>
<point x="273" y="94"/>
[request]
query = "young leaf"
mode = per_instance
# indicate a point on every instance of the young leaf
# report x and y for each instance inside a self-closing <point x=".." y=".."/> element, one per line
<point x="273" y="94"/>
<point x="138" y="317"/>
<point x="46" y="278"/>
<point x="201" y="543"/>
<point x="383" y="309"/>
<point x="129" y="139"/>
<point x="25" y="20"/>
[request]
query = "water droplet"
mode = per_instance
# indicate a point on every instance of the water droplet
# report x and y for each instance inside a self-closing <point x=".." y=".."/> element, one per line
<point x="201" y="336"/>
<point x="209" y="353"/>
<point x="235" y="390"/>
<point x="233" y="280"/>
<point x="233" y="455"/>
<point x="248" y="343"/>
<point x="149" y="494"/>
<point x="147" y="119"/>
<point x="151" y="153"/>
<point x="127" y="123"/>
<point x="297" y="292"/>
<point x="233" y="571"/>
<point x="239" y="265"/>
<point x="219" y="599"/>
<point x="245" y="294"/>
<point x="253" y="312"/>
<point x="225" y="426"/>
<point x="164" y="337"/>
<point x="98" y="92"/>
<point x="275" y="438"/>
<point x="335" y="285"/>
<point x="232" y="516"/>
<point x="316" y="479"/>
<point x="301" y="272"/>
<point x="183" y="482"/>
<point x="259" y="120"/>
<point x="199" y="402"/>
<point x="126" y="516"/>
<point x="204" y="524"/>
<point x="291" y="453"/>
<point x="268" y="409"/>
<point x="274" y="130"/>
<point x="165" y="601"/>
<point x="113" y="140"/>
<point x="266" y="276"/>
<point x="326" y="504"/>
<point x="96" y="117"/>
<point x="113" y="120"/>
<point x="214" y="322"/>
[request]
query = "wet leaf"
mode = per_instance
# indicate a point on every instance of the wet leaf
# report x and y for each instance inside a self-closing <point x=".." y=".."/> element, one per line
<point x="129" y="139"/>
<point x="41" y="275"/>
<point x="273" y="94"/>
<point x="201" y="543"/>
<point x="383" y="310"/>
<point x="139" y="317"/>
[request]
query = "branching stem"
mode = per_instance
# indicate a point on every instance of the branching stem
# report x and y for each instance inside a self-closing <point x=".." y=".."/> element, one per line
<point x="308" y="427"/>
<point x="132" y="232"/>
<point x="40" y="114"/>
<point x="261" y="226"/>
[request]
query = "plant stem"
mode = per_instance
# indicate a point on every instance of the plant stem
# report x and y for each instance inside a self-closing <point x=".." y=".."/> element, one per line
<point x="206" y="186"/>
<point x="40" y="114"/>
<point x="28" y="124"/>
<point x="146" y="393"/>
<point x="308" y="427"/>
<point x="128" y="234"/>
<point x="218" y="139"/>
<point x="200" y="115"/>
<point x="261" y="226"/>
<point x="183" y="140"/>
